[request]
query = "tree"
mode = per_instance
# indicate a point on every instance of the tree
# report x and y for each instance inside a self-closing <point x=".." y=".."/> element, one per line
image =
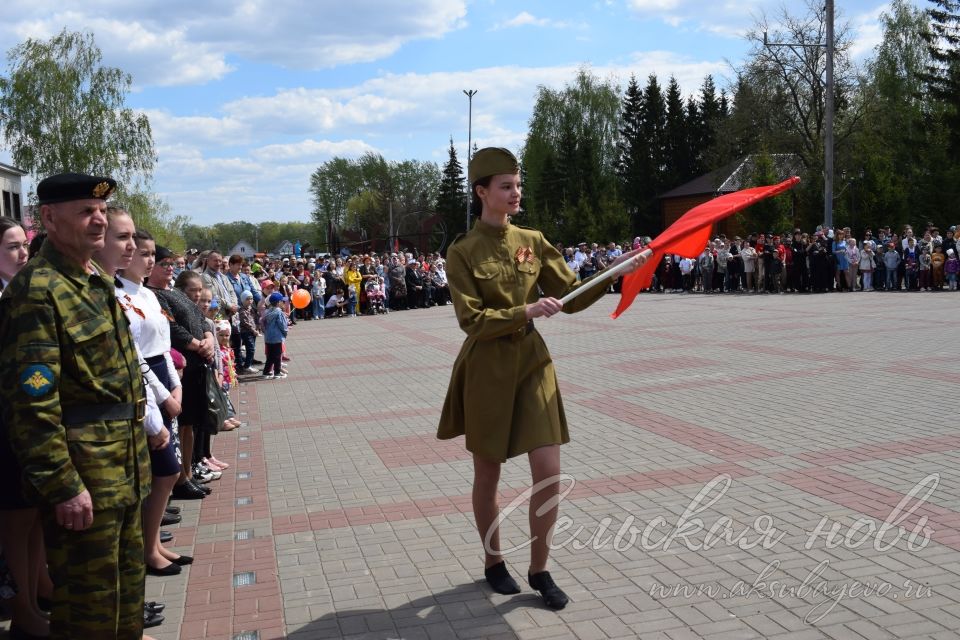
<point x="677" y="152"/>
<point x="772" y="214"/>
<point x="903" y="152"/>
<point x="632" y="149"/>
<point x="787" y="93"/>
<point x="570" y="157"/>
<point x="942" y="73"/>
<point x="452" y="197"/>
<point x="63" y="111"/>
<point x="152" y="213"/>
<point x="332" y="185"/>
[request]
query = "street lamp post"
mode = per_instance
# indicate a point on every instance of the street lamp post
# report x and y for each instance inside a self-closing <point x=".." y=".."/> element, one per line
<point x="469" y="94"/>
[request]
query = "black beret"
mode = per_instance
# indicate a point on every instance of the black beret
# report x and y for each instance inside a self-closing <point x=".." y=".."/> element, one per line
<point x="163" y="253"/>
<point x="64" y="187"/>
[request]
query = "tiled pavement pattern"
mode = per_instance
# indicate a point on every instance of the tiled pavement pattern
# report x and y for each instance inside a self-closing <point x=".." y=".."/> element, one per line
<point x="798" y="413"/>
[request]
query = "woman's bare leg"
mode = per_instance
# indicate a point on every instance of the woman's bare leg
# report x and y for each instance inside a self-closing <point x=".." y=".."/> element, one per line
<point x="545" y="469"/>
<point x="486" y="509"/>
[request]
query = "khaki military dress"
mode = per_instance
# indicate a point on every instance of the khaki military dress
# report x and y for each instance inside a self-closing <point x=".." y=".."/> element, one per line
<point x="503" y="391"/>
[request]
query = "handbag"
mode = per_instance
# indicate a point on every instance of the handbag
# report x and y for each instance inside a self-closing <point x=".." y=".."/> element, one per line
<point x="215" y="402"/>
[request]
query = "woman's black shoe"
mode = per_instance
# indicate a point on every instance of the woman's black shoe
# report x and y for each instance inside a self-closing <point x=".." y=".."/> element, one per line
<point x="155" y="607"/>
<point x="187" y="491"/>
<point x="172" y="510"/>
<point x="500" y="579"/>
<point x="183" y="560"/>
<point x="165" y="536"/>
<point x="169" y="519"/>
<point x="206" y="490"/>
<point x="151" y="619"/>
<point x="553" y="596"/>
<point x="171" y="569"/>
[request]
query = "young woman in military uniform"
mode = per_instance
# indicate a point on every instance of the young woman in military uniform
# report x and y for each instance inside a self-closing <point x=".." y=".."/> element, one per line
<point x="503" y="391"/>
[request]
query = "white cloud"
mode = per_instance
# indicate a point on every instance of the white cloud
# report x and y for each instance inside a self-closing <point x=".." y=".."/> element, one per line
<point x="867" y="31"/>
<point x="525" y="18"/>
<point x="183" y="43"/>
<point x="306" y="150"/>
<point x="651" y="6"/>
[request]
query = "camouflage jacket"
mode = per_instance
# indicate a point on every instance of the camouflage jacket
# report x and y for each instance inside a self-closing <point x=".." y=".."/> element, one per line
<point x="65" y="343"/>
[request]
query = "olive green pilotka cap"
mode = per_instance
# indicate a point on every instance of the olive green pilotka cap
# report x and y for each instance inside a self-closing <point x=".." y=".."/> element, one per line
<point x="492" y="161"/>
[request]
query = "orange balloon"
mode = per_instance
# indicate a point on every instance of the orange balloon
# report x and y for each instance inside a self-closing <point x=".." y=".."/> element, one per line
<point x="300" y="298"/>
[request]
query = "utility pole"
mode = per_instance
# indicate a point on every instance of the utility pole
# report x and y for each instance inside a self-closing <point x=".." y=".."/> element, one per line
<point x="828" y="108"/>
<point x="469" y="94"/>
<point x="828" y="134"/>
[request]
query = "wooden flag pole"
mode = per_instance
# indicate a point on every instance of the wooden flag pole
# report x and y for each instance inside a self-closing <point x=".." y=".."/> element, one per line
<point x="626" y="265"/>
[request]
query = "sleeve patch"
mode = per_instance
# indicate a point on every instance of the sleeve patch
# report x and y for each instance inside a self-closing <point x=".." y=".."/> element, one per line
<point x="37" y="380"/>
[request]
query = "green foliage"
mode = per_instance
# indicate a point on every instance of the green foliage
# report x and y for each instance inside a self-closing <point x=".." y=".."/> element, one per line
<point x="451" y="195"/>
<point x="570" y="159"/>
<point x="152" y="213"/>
<point x="360" y="193"/>
<point x="63" y="111"/>
<point x="264" y="237"/>
<point x="772" y="214"/>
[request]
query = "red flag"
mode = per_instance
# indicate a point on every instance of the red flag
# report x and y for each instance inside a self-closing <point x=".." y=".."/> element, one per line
<point x="690" y="233"/>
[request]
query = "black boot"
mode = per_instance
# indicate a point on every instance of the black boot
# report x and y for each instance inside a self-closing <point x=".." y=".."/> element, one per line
<point x="553" y="596"/>
<point x="500" y="579"/>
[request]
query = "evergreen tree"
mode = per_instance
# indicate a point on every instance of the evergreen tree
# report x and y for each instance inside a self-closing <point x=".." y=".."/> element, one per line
<point x="678" y="166"/>
<point x="654" y="159"/>
<point x="452" y="197"/>
<point x="943" y="72"/>
<point x="631" y="149"/>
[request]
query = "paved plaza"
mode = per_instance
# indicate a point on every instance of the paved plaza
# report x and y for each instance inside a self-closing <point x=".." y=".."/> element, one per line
<point x="735" y="471"/>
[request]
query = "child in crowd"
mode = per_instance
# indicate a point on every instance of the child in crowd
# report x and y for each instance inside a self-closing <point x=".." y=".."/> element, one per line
<point x="911" y="264"/>
<point x="891" y="260"/>
<point x="337" y="304"/>
<point x="274" y="334"/>
<point x="287" y="287"/>
<point x="951" y="267"/>
<point x="686" y="271"/>
<point x="318" y="293"/>
<point x="227" y="373"/>
<point x="937" y="260"/>
<point x="248" y="332"/>
<point x="853" y="263"/>
<point x="208" y="306"/>
<point x="924" y="267"/>
<point x="866" y="265"/>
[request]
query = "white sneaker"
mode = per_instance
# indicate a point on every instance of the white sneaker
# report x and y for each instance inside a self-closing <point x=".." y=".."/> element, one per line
<point x="251" y="370"/>
<point x="281" y="376"/>
<point x="268" y="376"/>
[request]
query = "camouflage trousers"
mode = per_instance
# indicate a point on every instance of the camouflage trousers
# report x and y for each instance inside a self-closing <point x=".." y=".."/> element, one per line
<point x="98" y="576"/>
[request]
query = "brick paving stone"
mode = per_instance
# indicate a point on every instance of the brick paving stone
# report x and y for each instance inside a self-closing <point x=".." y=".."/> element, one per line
<point x="361" y="520"/>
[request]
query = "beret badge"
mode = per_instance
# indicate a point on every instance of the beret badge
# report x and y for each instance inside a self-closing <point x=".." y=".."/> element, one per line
<point x="101" y="190"/>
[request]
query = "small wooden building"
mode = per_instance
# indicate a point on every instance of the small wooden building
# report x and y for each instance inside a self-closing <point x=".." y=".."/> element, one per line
<point x="734" y="176"/>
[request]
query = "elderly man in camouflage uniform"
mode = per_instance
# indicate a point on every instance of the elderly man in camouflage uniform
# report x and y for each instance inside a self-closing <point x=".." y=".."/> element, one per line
<point x="73" y="399"/>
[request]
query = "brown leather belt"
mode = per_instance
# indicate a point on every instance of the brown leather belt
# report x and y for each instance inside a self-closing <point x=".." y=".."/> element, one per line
<point x="520" y="333"/>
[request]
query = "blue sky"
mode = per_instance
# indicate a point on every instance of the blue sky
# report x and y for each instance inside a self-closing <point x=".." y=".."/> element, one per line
<point x="247" y="97"/>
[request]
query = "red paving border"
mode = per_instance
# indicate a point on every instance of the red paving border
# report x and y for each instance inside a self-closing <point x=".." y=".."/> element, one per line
<point x="214" y="608"/>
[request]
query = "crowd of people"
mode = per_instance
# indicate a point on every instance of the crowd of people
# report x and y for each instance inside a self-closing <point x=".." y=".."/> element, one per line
<point x="106" y="417"/>
<point x="798" y="262"/>
<point x="102" y="330"/>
